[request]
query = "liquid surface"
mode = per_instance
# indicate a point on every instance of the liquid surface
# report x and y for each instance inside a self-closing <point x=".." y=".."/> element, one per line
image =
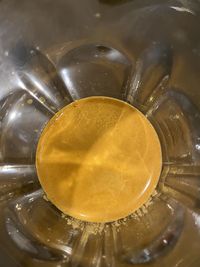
<point x="98" y="159"/>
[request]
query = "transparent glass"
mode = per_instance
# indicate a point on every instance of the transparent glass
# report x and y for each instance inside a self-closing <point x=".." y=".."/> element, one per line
<point x="144" y="52"/>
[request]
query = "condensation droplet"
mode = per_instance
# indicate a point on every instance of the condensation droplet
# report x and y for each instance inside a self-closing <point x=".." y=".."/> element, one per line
<point x="29" y="101"/>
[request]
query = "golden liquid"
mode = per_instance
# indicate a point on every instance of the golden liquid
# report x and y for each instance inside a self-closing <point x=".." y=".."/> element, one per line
<point x="98" y="159"/>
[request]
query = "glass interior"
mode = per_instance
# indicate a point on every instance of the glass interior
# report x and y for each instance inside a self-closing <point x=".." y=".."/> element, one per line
<point x="143" y="52"/>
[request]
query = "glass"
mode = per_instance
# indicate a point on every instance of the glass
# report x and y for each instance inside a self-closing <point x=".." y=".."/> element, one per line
<point x="144" y="52"/>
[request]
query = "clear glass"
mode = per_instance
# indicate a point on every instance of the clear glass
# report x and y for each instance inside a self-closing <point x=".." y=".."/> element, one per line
<point x="144" y="52"/>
